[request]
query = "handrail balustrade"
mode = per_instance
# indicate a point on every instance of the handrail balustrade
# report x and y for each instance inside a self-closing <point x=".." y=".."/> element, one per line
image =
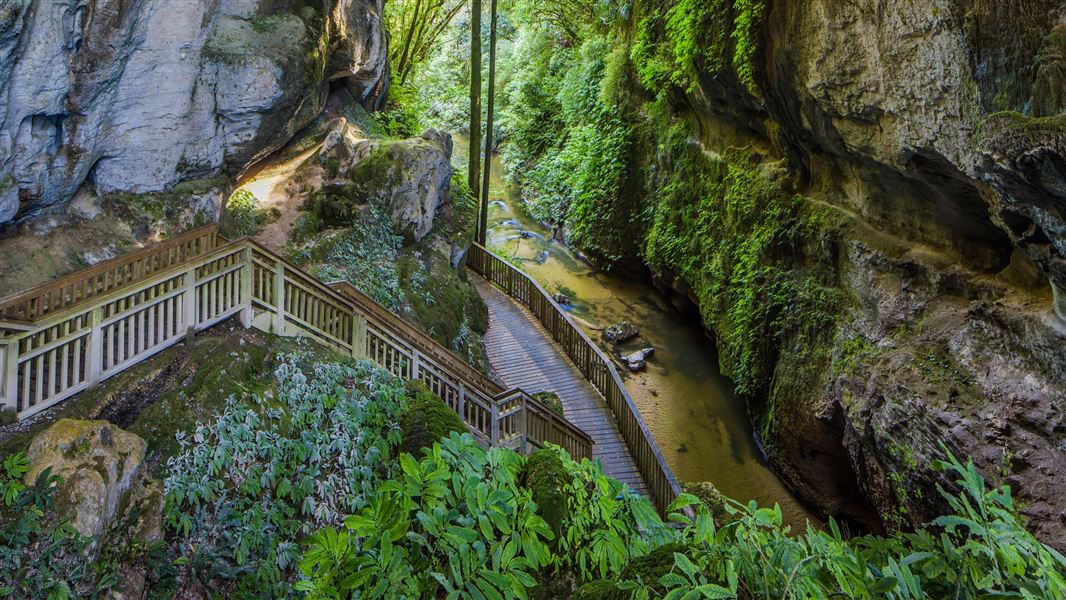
<point x="596" y="366"/>
<point x="64" y="337"/>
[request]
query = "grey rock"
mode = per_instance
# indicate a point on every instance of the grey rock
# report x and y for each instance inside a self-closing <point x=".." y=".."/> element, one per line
<point x="138" y="97"/>
<point x="99" y="464"/>
<point x="636" y="361"/>
<point x="620" y="332"/>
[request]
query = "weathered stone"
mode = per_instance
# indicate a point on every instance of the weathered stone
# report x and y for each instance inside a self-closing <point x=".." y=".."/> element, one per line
<point x="138" y="97"/>
<point x="636" y="361"/>
<point x="99" y="464"/>
<point x="410" y="180"/>
<point x="620" y="332"/>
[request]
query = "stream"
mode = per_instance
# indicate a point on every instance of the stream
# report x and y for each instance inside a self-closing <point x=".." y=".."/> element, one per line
<point x="698" y="422"/>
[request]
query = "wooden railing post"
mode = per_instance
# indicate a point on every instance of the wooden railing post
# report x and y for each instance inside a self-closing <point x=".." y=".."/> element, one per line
<point x="358" y="335"/>
<point x="11" y="376"/>
<point x="247" y="273"/>
<point x="94" y="353"/>
<point x="279" y="298"/>
<point x="460" y="402"/>
<point x="191" y="315"/>
<point x="494" y="428"/>
<point x="523" y="424"/>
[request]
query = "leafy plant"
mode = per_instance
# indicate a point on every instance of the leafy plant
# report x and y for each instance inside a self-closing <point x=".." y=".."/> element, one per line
<point x="40" y="557"/>
<point x="248" y="487"/>
<point x="455" y="522"/>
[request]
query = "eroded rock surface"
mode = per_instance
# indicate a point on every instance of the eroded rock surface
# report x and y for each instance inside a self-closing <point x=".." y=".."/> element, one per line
<point x="931" y="138"/>
<point x="122" y="98"/>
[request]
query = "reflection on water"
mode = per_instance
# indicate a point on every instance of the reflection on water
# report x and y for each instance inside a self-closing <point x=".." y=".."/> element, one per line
<point x="699" y="424"/>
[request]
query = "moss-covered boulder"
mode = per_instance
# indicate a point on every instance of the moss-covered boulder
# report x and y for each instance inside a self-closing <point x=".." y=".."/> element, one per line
<point x="99" y="464"/>
<point x="601" y="589"/>
<point x="546" y="477"/>
<point x="649" y="568"/>
<point x="710" y="497"/>
<point x="428" y="419"/>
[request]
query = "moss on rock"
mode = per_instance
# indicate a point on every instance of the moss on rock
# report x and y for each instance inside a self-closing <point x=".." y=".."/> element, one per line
<point x="546" y="477"/>
<point x="649" y="568"/>
<point x="428" y="419"/>
<point x="601" y="589"/>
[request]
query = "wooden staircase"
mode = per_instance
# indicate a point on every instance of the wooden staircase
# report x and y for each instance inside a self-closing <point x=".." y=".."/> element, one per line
<point x="70" y="334"/>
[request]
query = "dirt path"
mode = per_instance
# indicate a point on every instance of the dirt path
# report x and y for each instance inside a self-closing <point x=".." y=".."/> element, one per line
<point x="270" y="186"/>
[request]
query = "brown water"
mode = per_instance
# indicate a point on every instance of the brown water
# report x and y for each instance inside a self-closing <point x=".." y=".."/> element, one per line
<point x="699" y="424"/>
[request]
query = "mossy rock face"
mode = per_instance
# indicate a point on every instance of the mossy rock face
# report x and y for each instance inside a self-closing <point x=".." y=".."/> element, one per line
<point x="546" y="477"/>
<point x="428" y="419"/>
<point x="601" y="589"/>
<point x="338" y="204"/>
<point x="652" y="566"/>
<point x="98" y="463"/>
<point x="710" y="497"/>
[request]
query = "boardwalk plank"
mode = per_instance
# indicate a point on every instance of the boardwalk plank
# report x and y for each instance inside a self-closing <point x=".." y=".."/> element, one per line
<point x="522" y="354"/>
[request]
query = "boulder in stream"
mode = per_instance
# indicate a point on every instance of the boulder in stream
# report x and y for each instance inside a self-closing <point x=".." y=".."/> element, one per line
<point x="620" y="332"/>
<point x="639" y="359"/>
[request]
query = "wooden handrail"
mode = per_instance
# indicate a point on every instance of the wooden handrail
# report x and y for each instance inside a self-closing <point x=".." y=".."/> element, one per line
<point x="32" y="305"/>
<point x="388" y="320"/>
<point x="96" y="323"/>
<point x="597" y="367"/>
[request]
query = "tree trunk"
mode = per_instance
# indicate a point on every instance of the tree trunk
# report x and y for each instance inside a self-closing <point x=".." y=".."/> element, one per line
<point x="483" y="232"/>
<point x="474" y="173"/>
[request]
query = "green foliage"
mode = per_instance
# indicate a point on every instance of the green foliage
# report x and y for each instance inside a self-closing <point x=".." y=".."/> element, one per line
<point x="981" y="550"/>
<point x="677" y="42"/>
<point x="247" y="487"/>
<point x="747" y="20"/>
<point x="758" y="259"/>
<point x="427" y="420"/>
<point x="364" y="255"/>
<point x="40" y="557"/>
<point x="401" y="117"/>
<point x="243" y="215"/>
<point x="571" y="148"/>
<point x="672" y="47"/>
<point x="456" y="523"/>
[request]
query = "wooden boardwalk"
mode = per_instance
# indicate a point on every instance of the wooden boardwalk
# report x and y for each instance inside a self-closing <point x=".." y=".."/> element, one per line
<point x="522" y="354"/>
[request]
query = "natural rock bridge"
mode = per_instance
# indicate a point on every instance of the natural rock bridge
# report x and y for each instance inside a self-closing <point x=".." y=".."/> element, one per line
<point x="63" y="337"/>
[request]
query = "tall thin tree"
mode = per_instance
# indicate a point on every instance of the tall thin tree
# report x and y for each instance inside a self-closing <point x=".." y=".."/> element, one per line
<point x="474" y="173"/>
<point x="483" y="231"/>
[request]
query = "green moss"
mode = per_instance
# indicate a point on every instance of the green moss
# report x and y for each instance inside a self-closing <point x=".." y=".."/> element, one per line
<point x="442" y="302"/>
<point x="710" y="497"/>
<point x="552" y="400"/>
<point x="600" y="589"/>
<point x="648" y="569"/>
<point x="428" y="419"/>
<point x="162" y="209"/>
<point x="546" y="477"/>
<point x="760" y="261"/>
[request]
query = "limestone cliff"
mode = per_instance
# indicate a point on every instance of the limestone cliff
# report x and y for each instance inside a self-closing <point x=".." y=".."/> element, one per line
<point x="112" y="97"/>
<point x="930" y="137"/>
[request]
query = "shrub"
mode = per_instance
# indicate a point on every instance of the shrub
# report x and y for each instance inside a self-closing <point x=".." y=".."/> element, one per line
<point x="243" y="215"/>
<point x="427" y="420"/>
<point x="39" y="557"/>
<point x="455" y="523"/>
<point x="246" y="488"/>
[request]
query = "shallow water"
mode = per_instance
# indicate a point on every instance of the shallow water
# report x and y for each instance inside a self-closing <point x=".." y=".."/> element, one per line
<point x="699" y="424"/>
